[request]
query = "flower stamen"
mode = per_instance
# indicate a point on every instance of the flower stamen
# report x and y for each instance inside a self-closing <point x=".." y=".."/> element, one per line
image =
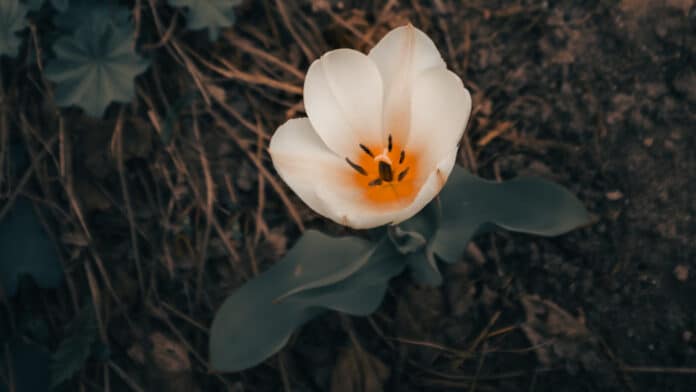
<point x="401" y="175"/>
<point x="385" y="171"/>
<point x="357" y="167"/>
<point x="367" y="150"/>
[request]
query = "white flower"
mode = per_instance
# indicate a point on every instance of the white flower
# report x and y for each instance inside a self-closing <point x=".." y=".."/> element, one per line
<point x="382" y="131"/>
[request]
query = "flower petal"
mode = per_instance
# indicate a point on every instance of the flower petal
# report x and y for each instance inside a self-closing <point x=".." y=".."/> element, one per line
<point x="440" y="108"/>
<point x="305" y="163"/>
<point x="432" y="186"/>
<point x="401" y="56"/>
<point x="343" y="99"/>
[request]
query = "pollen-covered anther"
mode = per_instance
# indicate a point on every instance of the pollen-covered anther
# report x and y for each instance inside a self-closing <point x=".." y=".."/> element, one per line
<point x="385" y="171"/>
<point x="356" y="167"/>
<point x="367" y="150"/>
<point x="403" y="174"/>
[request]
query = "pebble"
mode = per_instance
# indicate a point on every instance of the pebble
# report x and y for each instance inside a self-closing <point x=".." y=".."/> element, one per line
<point x="614" y="195"/>
<point x="681" y="272"/>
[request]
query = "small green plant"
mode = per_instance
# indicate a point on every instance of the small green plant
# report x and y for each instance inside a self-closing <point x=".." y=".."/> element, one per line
<point x="208" y="14"/>
<point x="12" y="21"/>
<point x="93" y="62"/>
<point x="377" y="151"/>
<point x="97" y="63"/>
<point x="95" y="66"/>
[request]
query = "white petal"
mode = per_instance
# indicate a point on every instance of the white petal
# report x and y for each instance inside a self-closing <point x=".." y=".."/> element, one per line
<point x="343" y="99"/>
<point x="440" y="108"/>
<point x="346" y="210"/>
<point x="304" y="162"/>
<point x="432" y="186"/>
<point x="401" y="56"/>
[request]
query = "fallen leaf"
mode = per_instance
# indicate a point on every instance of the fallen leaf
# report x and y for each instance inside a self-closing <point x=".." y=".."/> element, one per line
<point x="555" y="333"/>
<point x="169" y="355"/>
<point x="358" y="371"/>
<point x="681" y="272"/>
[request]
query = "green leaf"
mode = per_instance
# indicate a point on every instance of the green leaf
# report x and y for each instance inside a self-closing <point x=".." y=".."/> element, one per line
<point x="210" y="14"/>
<point x="74" y="350"/>
<point x="33" y="5"/>
<point x="95" y="66"/>
<point x="27" y="249"/>
<point x="30" y="365"/>
<point x="12" y="21"/>
<point x="360" y="293"/>
<point x="61" y="5"/>
<point x="424" y="268"/>
<point x="319" y="273"/>
<point x="73" y="14"/>
<point x="527" y="205"/>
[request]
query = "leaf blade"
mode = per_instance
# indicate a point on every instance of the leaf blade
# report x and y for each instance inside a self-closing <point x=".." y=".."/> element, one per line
<point x="527" y="205"/>
<point x="92" y="68"/>
<point x="252" y="324"/>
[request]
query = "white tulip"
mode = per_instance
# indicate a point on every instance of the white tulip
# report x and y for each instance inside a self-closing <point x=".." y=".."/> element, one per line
<point x="382" y="131"/>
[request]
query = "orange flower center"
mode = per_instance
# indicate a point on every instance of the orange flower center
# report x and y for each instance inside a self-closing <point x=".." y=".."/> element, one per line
<point x="386" y="174"/>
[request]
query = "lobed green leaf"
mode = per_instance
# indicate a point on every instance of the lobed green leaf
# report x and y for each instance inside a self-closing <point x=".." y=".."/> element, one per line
<point x="73" y="14"/>
<point x="208" y="14"/>
<point x="74" y="350"/>
<point x="12" y="21"/>
<point x="95" y="66"/>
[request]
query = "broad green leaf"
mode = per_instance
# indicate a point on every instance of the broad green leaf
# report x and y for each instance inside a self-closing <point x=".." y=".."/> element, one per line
<point x="424" y="268"/>
<point x="210" y="14"/>
<point x="74" y="350"/>
<point x="95" y="66"/>
<point x="319" y="273"/>
<point x="27" y="249"/>
<point x="12" y="21"/>
<point x="527" y="205"/>
<point x="30" y="365"/>
<point x="361" y="293"/>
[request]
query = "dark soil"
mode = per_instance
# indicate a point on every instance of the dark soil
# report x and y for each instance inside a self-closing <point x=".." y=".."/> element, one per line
<point x="599" y="96"/>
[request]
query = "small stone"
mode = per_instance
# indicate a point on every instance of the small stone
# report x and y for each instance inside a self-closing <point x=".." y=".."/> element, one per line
<point x="681" y="272"/>
<point x="687" y="336"/>
<point x="614" y="195"/>
<point x="648" y="141"/>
